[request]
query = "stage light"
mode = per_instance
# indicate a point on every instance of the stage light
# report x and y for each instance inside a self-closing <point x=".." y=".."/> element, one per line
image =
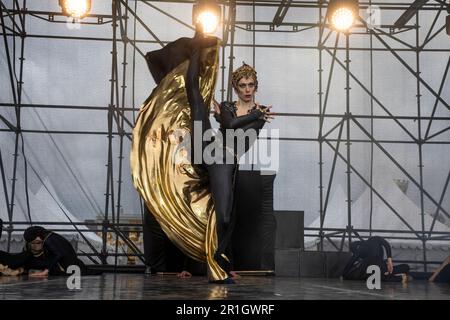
<point x="342" y="13"/>
<point x="75" y="8"/>
<point x="206" y="16"/>
<point x="208" y="21"/>
<point x="342" y="18"/>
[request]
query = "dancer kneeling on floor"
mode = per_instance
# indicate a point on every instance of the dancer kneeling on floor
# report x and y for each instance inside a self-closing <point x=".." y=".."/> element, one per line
<point x="46" y="251"/>
<point x="371" y="252"/>
<point x="51" y="252"/>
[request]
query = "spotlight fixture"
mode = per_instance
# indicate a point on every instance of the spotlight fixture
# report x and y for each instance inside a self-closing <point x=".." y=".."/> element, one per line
<point x="75" y="8"/>
<point x="206" y="16"/>
<point x="341" y="14"/>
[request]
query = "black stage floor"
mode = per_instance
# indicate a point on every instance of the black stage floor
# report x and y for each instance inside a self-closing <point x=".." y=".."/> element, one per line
<point x="111" y="286"/>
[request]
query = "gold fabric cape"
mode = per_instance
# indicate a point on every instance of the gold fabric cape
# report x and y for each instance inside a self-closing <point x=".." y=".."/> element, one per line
<point x="176" y="191"/>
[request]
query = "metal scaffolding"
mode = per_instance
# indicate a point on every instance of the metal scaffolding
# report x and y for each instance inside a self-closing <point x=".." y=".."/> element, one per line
<point x="13" y="26"/>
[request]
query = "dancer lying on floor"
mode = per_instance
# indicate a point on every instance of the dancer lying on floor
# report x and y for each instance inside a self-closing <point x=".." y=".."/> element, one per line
<point x="371" y="252"/>
<point x="51" y="252"/>
<point x="46" y="252"/>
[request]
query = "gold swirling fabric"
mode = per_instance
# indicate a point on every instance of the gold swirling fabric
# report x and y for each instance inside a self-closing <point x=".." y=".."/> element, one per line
<point x="175" y="190"/>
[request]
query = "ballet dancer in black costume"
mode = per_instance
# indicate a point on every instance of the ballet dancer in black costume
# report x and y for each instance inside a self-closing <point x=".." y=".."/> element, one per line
<point x="221" y="174"/>
<point x="371" y="252"/>
<point x="46" y="251"/>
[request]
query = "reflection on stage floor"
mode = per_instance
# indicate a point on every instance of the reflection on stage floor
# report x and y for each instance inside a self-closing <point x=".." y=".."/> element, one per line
<point x="141" y="287"/>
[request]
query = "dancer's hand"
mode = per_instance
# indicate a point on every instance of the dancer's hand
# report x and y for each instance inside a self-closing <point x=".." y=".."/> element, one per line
<point x="6" y="271"/>
<point x="184" y="274"/>
<point x="267" y="114"/>
<point x="216" y="106"/>
<point x="390" y="266"/>
<point x="39" y="274"/>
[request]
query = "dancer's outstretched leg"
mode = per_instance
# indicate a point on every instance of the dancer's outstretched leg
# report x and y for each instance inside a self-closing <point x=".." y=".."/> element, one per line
<point x="199" y="111"/>
<point x="220" y="175"/>
<point x="221" y="182"/>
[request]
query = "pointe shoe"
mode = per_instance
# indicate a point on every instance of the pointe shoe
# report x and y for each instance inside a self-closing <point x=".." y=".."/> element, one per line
<point x="224" y="281"/>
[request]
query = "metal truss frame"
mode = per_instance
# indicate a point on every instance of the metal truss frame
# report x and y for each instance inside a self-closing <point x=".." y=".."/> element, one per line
<point x="13" y="26"/>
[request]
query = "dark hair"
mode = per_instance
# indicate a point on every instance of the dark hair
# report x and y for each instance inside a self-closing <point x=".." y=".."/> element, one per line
<point x="32" y="233"/>
<point x="354" y="247"/>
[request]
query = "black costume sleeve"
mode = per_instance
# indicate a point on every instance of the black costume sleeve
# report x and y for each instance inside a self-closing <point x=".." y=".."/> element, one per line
<point x="229" y="121"/>
<point x="51" y="244"/>
<point x="383" y="243"/>
<point x="354" y="247"/>
<point x="255" y="124"/>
